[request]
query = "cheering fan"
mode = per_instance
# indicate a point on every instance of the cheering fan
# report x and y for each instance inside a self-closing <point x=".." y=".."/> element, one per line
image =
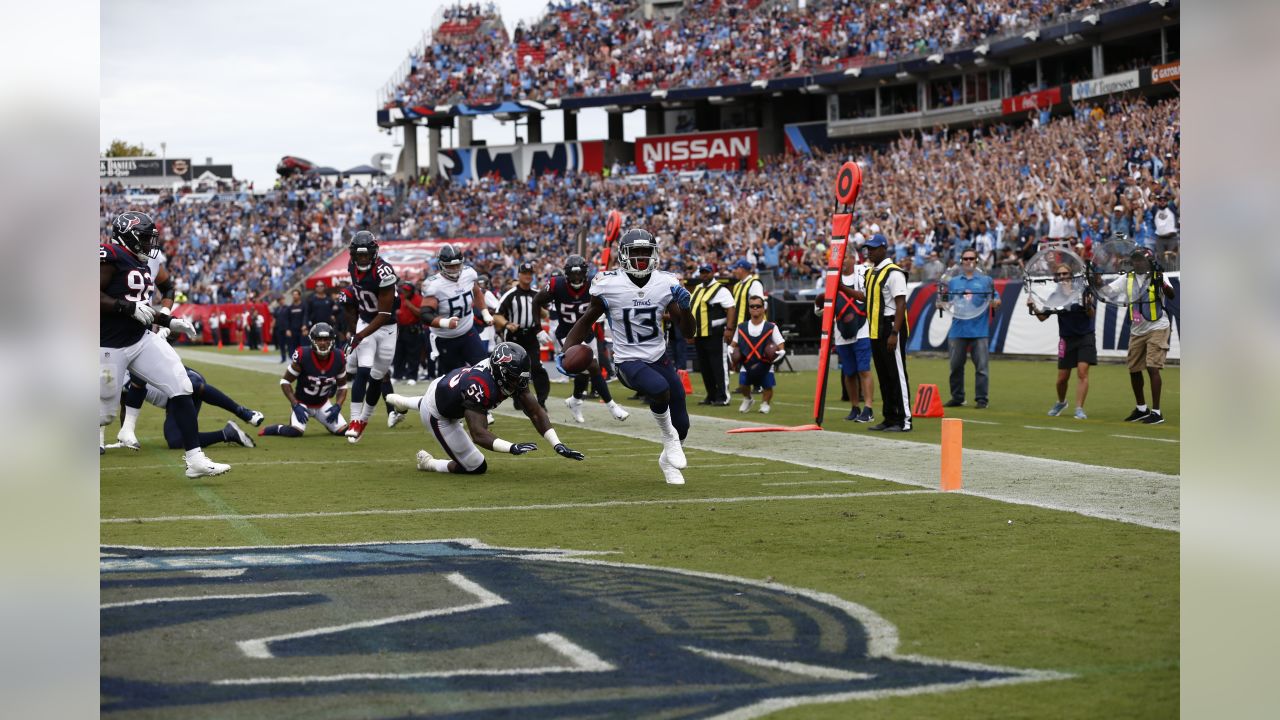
<point x="1055" y="279"/>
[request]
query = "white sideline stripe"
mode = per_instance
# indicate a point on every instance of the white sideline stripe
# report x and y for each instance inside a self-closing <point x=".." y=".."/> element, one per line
<point x="582" y="658"/>
<point x="779" y="472"/>
<point x="257" y="647"/>
<point x="513" y="508"/>
<point x="219" y="572"/>
<point x="813" y="482"/>
<point x="157" y="601"/>
<point x="981" y="422"/>
<point x="1040" y="427"/>
<point x="813" y="671"/>
<point x="1139" y="437"/>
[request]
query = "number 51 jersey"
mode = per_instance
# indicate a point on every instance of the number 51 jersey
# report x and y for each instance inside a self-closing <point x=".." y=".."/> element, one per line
<point x="635" y="312"/>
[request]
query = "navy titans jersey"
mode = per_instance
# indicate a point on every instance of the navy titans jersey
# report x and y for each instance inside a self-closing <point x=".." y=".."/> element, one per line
<point x="132" y="281"/>
<point x="467" y="388"/>
<point x="567" y="304"/>
<point x="319" y="378"/>
<point x="366" y="285"/>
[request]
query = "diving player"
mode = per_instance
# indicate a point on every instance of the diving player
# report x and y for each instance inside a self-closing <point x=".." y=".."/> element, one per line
<point x="634" y="299"/>
<point x="202" y="392"/>
<point x="319" y="373"/>
<point x="447" y="299"/>
<point x="567" y="298"/>
<point x="373" y="282"/>
<point x="125" y="346"/>
<point x="468" y="394"/>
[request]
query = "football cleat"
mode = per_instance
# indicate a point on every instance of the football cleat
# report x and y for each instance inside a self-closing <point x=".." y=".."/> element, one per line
<point x="746" y="405"/>
<point x="674" y="453"/>
<point x="238" y="436"/>
<point x="255" y="418"/>
<point x="355" y="430"/>
<point x="619" y="412"/>
<point x="575" y="407"/>
<point x="764" y="408"/>
<point x="394" y="418"/>
<point x="672" y="475"/>
<point x="489" y="418"/>
<point x="424" y="460"/>
<point x="402" y="404"/>
<point x="202" y="466"/>
<point x="127" y="440"/>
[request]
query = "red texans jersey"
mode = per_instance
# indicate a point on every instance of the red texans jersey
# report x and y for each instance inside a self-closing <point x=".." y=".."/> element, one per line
<point x="319" y="378"/>
<point x="132" y="281"/>
<point x="567" y="304"/>
<point x="467" y="388"/>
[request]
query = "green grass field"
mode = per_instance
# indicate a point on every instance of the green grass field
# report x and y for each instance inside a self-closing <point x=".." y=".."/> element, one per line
<point x="961" y="577"/>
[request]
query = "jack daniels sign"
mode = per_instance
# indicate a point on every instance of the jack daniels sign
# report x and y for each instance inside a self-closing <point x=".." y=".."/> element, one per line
<point x="148" y="167"/>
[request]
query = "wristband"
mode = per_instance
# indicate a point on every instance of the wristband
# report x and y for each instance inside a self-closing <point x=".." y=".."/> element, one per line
<point x="500" y="445"/>
<point x="124" y="307"/>
<point x="284" y="381"/>
<point x="551" y="437"/>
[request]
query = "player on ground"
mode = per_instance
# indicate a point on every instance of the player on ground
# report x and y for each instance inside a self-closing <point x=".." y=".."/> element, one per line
<point x="468" y="394"/>
<point x="373" y="281"/>
<point x="320" y="373"/>
<point x="125" y="286"/>
<point x="634" y="299"/>
<point x="754" y="364"/>
<point x="567" y="297"/>
<point x="201" y="392"/>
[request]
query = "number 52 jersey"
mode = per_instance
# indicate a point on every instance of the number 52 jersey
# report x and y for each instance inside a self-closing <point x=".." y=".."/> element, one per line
<point x="634" y="313"/>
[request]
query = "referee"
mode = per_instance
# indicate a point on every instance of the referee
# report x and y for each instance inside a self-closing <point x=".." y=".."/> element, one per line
<point x="520" y="321"/>
<point x="714" y="320"/>
<point x="887" y="316"/>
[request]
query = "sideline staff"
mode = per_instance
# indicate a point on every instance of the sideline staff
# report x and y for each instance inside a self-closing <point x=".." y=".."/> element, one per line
<point x="1077" y="346"/>
<point x="714" y="319"/>
<point x="887" y="315"/>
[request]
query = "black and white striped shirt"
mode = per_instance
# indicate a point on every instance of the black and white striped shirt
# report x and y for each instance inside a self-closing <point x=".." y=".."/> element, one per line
<point x="517" y="307"/>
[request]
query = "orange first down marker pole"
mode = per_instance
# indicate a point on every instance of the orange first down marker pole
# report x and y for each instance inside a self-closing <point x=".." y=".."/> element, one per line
<point x="952" y="442"/>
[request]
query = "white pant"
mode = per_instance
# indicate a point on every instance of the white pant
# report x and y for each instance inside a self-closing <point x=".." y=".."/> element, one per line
<point x="151" y="360"/>
<point x="375" y="352"/>
<point x="319" y="414"/>
<point x="451" y="434"/>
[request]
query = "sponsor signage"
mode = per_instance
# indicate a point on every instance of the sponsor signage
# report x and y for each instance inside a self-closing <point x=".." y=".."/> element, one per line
<point x="1169" y="72"/>
<point x="403" y="255"/>
<point x="1119" y="82"/>
<point x="727" y="150"/>
<point x="1032" y="101"/>
<point x="124" y="167"/>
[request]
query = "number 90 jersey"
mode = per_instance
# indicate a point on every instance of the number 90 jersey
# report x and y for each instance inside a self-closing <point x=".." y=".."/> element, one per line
<point x="635" y="312"/>
<point x="453" y="299"/>
<point x="131" y="281"/>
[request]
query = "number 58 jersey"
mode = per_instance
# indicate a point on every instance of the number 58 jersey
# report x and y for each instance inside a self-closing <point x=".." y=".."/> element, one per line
<point x="634" y="313"/>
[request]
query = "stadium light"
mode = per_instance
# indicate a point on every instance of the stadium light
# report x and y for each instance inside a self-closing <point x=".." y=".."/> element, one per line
<point x="659" y="94"/>
<point x="1091" y="18"/>
<point x="854" y="71"/>
<point x="1032" y="35"/>
<point x="936" y="58"/>
<point x="761" y="84"/>
<point x="982" y="49"/>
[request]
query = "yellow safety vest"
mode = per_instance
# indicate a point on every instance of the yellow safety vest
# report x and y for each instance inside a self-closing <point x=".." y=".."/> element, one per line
<point x="875" y="297"/>
<point x="740" y="297"/>
<point x="702" y="309"/>
<point x="1151" y="308"/>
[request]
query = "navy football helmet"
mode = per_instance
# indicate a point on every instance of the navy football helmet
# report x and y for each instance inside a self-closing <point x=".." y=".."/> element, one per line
<point x="364" y="250"/>
<point x="450" y="262"/>
<point x="575" y="271"/>
<point x="322" y="338"/>
<point x="638" y="249"/>
<point x="510" y="366"/>
<point x="137" y="232"/>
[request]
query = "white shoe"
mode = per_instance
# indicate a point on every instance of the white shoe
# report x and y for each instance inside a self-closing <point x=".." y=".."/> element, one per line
<point x="394" y="418"/>
<point x="255" y="419"/>
<point x="424" y="461"/>
<point x="746" y="405"/>
<point x="669" y="473"/>
<point x="202" y="466"/>
<point x="412" y="382"/>
<point x="674" y="453"/>
<point x="489" y="418"/>
<point x="619" y="412"/>
<point x="241" y="436"/>
<point x="764" y="408"/>
<point x="575" y="407"/>
<point x="128" y="440"/>
<point x="402" y="404"/>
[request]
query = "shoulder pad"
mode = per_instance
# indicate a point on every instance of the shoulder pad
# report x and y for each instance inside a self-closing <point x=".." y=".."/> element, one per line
<point x="297" y="356"/>
<point x="106" y="253"/>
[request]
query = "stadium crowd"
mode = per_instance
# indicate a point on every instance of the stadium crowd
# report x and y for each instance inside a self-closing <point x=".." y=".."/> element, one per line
<point x="600" y="47"/>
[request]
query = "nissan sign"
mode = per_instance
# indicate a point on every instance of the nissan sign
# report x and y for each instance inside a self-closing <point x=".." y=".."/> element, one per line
<point x="727" y="150"/>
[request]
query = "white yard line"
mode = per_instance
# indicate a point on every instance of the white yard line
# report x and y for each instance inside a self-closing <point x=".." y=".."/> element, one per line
<point x="812" y="482"/>
<point x="197" y="598"/>
<point x="1041" y="427"/>
<point x="1139" y="437"/>
<point x="778" y="472"/>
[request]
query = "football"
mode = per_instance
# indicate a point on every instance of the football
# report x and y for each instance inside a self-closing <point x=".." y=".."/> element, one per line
<point x="577" y="358"/>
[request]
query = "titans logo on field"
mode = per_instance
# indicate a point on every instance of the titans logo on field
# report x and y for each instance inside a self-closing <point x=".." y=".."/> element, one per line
<point x="460" y="629"/>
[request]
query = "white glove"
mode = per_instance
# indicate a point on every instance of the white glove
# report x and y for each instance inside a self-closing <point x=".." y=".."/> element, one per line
<point x="163" y="333"/>
<point x="144" y="313"/>
<point x="781" y="354"/>
<point x="544" y="337"/>
<point x="183" y="326"/>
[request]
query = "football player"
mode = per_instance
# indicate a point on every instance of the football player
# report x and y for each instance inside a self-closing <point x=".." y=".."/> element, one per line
<point x="202" y="392"/>
<point x="374" y="286"/>
<point x="125" y="346"/>
<point x="633" y="299"/>
<point x="567" y="298"/>
<point x="749" y="345"/>
<point x="447" y="301"/>
<point x="463" y="397"/>
<point x="320" y="373"/>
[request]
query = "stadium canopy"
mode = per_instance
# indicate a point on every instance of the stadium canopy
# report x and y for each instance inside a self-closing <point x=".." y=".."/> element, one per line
<point x="325" y="171"/>
<point x="363" y="170"/>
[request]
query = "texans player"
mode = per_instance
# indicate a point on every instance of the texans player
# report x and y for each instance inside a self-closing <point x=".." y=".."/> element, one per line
<point x="374" y="284"/>
<point x="447" y="301"/>
<point x="467" y="395"/>
<point x="749" y="344"/>
<point x="202" y="392"/>
<point x="634" y="299"/>
<point x="125" y="345"/>
<point x="319" y="372"/>
<point x="567" y="298"/>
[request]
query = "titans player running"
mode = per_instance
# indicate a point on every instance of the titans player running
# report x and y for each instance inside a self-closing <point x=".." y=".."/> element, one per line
<point x="567" y="298"/>
<point x="633" y="300"/>
<point x="373" y="281"/>
<point x="468" y="394"/>
<point x="319" y="373"/>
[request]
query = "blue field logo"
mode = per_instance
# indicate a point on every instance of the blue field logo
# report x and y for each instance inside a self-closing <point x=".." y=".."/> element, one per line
<point x="455" y="628"/>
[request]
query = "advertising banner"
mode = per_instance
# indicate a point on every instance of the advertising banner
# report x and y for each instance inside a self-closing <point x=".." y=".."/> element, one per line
<point x="520" y="162"/>
<point x="123" y="167"/>
<point x="1170" y="72"/>
<point x="1032" y="101"/>
<point x="1108" y="85"/>
<point x="725" y="150"/>
<point x="404" y="255"/>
